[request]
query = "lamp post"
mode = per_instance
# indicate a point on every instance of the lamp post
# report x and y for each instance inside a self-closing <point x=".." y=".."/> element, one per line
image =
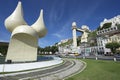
<point x="84" y="45"/>
<point x="4" y="69"/>
<point x="96" y="54"/>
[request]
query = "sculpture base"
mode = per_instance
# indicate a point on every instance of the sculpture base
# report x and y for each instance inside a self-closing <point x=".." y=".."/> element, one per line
<point x="22" y="48"/>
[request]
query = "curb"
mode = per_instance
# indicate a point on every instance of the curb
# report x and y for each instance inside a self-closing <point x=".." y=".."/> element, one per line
<point x="80" y="70"/>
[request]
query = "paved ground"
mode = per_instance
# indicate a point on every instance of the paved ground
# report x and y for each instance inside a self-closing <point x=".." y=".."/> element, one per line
<point x="59" y="72"/>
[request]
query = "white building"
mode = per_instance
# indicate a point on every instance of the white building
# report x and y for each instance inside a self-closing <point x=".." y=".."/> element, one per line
<point x="63" y="41"/>
<point x="115" y="20"/>
<point x="65" y="49"/>
<point x="111" y="34"/>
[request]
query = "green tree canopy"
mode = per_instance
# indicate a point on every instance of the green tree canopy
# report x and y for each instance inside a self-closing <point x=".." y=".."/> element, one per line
<point x="52" y="49"/>
<point x="105" y="26"/>
<point x="113" y="46"/>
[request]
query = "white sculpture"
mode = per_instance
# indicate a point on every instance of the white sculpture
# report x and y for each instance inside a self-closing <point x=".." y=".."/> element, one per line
<point x="24" y="39"/>
<point x="84" y="29"/>
<point x="85" y="33"/>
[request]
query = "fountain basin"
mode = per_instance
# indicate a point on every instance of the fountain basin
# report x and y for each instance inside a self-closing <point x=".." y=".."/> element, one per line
<point x="28" y="66"/>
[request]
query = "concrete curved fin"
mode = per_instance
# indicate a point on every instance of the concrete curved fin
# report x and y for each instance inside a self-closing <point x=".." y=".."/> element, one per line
<point x="26" y="30"/>
<point x="39" y="26"/>
<point x="15" y="19"/>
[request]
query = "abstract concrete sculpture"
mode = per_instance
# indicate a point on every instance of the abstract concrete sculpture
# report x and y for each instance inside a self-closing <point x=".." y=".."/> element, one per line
<point x="24" y="39"/>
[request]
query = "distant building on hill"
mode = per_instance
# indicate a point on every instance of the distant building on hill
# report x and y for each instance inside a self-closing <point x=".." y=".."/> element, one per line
<point x="63" y="41"/>
<point x="115" y="20"/>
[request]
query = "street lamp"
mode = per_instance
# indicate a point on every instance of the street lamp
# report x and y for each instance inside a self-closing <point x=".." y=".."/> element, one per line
<point x="96" y="54"/>
<point x="4" y="69"/>
<point x="84" y="45"/>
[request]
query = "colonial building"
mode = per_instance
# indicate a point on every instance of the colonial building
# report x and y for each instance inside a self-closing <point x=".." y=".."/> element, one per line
<point x="107" y="35"/>
<point x="115" y="20"/>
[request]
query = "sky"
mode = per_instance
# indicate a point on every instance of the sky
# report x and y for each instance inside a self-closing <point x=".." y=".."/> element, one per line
<point x="59" y="15"/>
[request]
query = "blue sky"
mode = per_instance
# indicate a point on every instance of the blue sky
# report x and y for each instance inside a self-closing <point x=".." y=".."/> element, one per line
<point x="59" y="15"/>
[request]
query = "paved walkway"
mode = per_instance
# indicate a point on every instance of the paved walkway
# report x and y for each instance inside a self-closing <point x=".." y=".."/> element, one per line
<point x="59" y="72"/>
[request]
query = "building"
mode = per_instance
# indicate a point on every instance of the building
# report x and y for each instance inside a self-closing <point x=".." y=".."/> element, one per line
<point x="107" y="35"/>
<point x="115" y="20"/>
<point x="63" y="41"/>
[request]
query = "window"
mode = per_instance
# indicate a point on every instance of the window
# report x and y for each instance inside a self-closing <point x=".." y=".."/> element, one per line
<point x="105" y="30"/>
<point x="114" y="28"/>
<point x="111" y="28"/>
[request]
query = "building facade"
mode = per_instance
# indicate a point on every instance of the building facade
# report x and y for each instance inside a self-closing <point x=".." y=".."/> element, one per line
<point x="107" y="35"/>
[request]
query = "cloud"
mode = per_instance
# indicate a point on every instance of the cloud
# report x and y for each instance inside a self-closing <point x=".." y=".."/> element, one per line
<point x="4" y="40"/>
<point x="42" y="42"/>
<point x="57" y="35"/>
<point x="65" y="30"/>
<point x="56" y="13"/>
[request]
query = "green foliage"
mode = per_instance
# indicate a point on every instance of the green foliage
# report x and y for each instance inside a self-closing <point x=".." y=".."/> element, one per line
<point x="99" y="70"/>
<point x="3" y="50"/>
<point x="98" y="28"/>
<point x="66" y="43"/>
<point x="118" y="25"/>
<point x="70" y="41"/>
<point x="93" y="44"/>
<point x="105" y="26"/>
<point x="92" y="38"/>
<point x="113" y="46"/>
<point x="52" y="49"/>
<point x="93" y="34"/>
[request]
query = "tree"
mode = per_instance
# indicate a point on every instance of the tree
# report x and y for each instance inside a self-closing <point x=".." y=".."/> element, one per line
<point x="118" y="26"/>
<point x="105" y="26"/>
<point x="113" y="46"/>
<point x="3" y="50"/>
<point x="92" y="38"/>
<point x="52" y="49"/>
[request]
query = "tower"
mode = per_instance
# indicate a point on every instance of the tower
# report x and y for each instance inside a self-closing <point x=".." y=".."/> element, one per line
<point x="74" y="34"/>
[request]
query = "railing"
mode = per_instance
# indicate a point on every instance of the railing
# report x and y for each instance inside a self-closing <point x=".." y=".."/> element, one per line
<point x="107" y="30"/>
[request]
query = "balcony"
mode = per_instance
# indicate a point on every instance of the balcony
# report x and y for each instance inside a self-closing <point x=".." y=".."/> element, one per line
<point x="108" y="31"/>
